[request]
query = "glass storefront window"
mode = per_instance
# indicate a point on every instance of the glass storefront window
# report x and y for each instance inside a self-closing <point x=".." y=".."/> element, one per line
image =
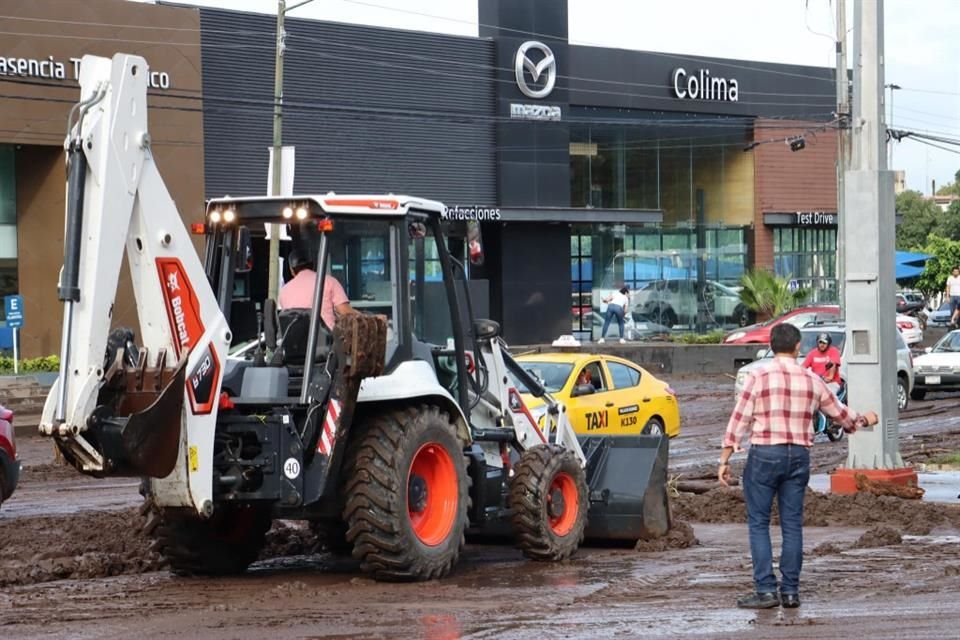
<point x="661" y="267"/>
<point x="808" y="255"/>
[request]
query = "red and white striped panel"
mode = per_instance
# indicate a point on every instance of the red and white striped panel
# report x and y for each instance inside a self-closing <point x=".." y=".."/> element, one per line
<point x="329" y="434"/>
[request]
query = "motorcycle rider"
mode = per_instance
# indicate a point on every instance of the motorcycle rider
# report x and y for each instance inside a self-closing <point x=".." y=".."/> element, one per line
<point x="825" y="361"/>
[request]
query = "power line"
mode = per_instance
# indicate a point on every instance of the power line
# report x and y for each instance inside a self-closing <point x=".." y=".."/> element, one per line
<point x="535" y="34"/>
<point x="271" y="35"/>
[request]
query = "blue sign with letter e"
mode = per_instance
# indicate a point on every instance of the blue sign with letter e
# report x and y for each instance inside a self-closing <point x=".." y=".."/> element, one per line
<point x="13" y="306"/>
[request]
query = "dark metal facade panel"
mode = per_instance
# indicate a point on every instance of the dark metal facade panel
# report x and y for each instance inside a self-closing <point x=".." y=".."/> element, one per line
<point x="368" y="109"/>
<point x="624" y="79"/>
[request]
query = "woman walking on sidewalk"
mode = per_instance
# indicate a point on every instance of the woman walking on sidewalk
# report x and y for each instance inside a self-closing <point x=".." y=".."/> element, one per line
<point x="616" y="309"/>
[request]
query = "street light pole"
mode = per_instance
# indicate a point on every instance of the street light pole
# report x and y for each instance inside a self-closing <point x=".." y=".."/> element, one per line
<point x="893" y="87"/>
<point x="273" y="276"/>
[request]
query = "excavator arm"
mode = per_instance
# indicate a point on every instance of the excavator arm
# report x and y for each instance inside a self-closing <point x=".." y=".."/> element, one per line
<point x="152" y="413"/>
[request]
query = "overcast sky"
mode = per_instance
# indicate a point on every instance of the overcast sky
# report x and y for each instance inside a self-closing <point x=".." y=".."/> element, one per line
<point x="922" y="47"/>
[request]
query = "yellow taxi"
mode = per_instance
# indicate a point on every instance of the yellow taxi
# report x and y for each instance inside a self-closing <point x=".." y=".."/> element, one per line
<point x="604" y="395"/>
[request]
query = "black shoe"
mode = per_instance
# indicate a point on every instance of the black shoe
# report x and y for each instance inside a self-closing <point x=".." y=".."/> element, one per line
<point x="759" y="601"/>
<point x="790" y="600"/>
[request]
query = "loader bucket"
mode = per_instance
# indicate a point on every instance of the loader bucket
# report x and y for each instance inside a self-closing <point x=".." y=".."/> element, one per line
<point x="146" y="442"/>
<point x="627" y="478"/>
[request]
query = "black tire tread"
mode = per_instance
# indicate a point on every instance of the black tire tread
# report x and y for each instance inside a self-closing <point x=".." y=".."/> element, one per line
<point x="528" y="499"/>
<point x="191" y="545"/>
<point x="375" y="508"/>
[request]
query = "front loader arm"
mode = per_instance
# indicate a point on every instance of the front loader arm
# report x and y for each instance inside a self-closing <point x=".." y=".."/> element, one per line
<point x="156" y="419"/>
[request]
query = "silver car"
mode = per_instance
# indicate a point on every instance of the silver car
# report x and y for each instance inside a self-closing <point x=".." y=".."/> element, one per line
<point x="808" y="341"/>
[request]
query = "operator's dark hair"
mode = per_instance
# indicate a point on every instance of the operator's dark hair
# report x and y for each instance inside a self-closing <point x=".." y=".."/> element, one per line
<point x="298" y="261"/>
<point x="784" y="338"/>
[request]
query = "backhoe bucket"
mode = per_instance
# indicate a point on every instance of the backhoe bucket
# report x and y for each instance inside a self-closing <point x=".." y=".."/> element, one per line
<point x="627" y="477"/>
<point x="138" y="431"/>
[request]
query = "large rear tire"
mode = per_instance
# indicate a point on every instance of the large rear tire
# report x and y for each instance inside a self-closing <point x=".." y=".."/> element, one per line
<point x="549" y="500"/>
<point x="224" y="544"/>
<point x="407" y="495"/>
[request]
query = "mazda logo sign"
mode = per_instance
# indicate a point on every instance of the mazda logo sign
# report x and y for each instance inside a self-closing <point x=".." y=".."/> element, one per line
<point x="545" y="67"/>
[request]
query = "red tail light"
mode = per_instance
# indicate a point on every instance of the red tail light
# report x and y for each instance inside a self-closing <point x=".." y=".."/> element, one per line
<point x="198" y="228"/>
<point x="904" y="324"/>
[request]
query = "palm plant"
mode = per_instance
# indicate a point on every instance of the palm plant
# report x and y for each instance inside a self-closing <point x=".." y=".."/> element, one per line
<point x="767" y="295"/>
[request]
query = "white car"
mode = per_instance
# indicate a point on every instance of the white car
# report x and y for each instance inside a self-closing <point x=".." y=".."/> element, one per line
<point x="939" y="368"/>
<point x="672" y="302"/>
<point x="808" y="341"/>
<point x="910" y="329"/>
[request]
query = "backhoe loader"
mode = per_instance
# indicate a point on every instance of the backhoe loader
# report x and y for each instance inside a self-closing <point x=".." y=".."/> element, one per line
<point x="395" y="432"/>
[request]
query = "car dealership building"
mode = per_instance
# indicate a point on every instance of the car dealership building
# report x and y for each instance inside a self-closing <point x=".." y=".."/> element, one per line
<point x="588" y="167"/>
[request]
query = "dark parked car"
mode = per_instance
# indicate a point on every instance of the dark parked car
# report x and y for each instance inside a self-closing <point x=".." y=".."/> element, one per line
<point x="9" y="465"/>
<point x="909" y="302"/>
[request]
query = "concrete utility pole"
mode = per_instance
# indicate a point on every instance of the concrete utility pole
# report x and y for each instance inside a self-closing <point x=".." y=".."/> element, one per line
<point x="273" y="276"/>
<point x="843" y="144"/>
<point x="869" y="272"/>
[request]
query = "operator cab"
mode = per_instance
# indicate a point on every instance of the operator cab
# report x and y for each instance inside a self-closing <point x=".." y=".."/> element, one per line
<point x="386" y="252"/>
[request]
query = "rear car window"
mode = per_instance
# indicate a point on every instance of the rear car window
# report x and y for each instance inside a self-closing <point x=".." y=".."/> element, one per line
<point x="623" y="376"/>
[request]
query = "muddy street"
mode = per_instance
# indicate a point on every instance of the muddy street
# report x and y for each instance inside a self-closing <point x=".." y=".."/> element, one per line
<point x="74" y="565"/>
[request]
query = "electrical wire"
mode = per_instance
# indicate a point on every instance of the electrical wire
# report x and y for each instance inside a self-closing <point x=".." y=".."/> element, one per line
<point x="297" y="21"/>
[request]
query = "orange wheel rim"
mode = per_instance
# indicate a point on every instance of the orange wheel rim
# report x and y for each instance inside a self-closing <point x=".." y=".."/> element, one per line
<point x="432" y="494"/>
<point x="563" y="504"/>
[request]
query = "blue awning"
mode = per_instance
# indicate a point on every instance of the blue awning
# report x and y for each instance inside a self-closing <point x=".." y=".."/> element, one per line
<point x="910" y="257"/>
<point x="906" y="271"/>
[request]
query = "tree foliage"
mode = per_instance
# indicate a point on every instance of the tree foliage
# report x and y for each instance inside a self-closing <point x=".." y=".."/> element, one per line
<point x="768" y="295"/>
<point x="951" y="188"/>
<point x="945" y="255"/>
<point x="921" y="217"/>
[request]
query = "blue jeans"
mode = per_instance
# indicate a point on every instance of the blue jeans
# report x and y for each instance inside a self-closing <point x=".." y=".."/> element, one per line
<point x="613" y="311"/>
<point x="781" y="471"/>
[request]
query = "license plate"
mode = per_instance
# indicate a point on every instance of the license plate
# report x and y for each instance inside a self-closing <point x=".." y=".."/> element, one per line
<point x="931" y="380"/>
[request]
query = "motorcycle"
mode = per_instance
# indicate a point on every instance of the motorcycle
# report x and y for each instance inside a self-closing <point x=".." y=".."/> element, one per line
<point x="823" y="424"/>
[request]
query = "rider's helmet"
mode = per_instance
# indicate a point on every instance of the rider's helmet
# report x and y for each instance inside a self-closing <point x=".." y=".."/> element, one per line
<point x="824" y="338"/>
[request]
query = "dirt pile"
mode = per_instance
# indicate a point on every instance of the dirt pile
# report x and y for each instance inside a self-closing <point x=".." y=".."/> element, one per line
<point x="878" y="537"/>
<point x="289" y="538"/>
<point x="80" y="546"/>
<point x="680" y="536"/>
<point x="859" y="510"/>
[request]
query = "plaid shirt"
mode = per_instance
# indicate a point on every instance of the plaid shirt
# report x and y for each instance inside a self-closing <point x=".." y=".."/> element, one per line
<point x="778" y="403"/>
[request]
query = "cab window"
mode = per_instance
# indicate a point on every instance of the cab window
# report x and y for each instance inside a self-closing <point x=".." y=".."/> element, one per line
<point x="622" y="376"/>
<point x="592" y="374"/>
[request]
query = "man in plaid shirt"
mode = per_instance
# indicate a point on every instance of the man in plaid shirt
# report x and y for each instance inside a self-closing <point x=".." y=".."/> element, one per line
<point x="776" y="410"/>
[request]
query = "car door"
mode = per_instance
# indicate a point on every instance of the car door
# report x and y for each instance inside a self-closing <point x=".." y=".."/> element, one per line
<point x="590" y="414"/>
<point x="632" y="408"/>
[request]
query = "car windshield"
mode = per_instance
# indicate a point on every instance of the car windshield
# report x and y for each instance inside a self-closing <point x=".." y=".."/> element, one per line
<point x="949" y="343"/>
<point x="553" y="375"/>
<point x="808" y="341"/>
<point x="944" y="307"/>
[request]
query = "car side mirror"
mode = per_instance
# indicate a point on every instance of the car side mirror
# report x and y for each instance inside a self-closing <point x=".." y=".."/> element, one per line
<point x="928" y="350"/>
<point x="582" y="390"/>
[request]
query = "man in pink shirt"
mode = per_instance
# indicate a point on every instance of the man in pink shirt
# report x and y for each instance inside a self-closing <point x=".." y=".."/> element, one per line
<point x="298" y="292"/>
